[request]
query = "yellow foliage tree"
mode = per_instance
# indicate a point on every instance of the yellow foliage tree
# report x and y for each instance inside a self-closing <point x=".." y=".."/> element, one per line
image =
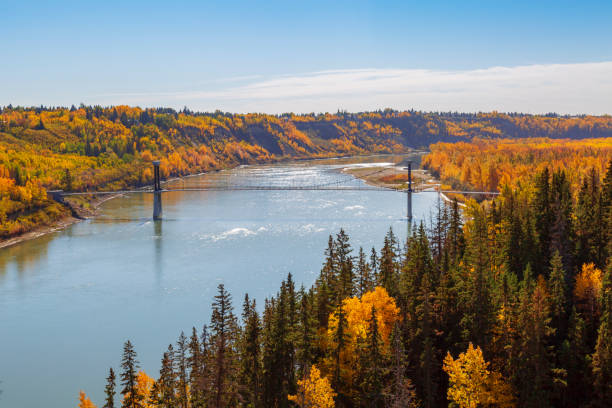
<point x="84" y="401"/>
<point x="314" y="391"/>
<point x="358" y="313"/>
<point x="144" y="384"/>
<point x="587" y="289"/>
<point x="471" y="384"/>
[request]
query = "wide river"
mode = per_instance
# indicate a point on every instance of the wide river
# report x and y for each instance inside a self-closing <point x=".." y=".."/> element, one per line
<point x="69" y="300"/>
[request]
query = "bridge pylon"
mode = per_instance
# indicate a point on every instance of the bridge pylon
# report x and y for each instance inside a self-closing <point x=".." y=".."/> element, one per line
<point x="157" y="200"/>
<point x="409" y="199"/>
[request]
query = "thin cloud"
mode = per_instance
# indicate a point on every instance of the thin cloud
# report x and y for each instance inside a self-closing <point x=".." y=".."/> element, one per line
<point x="562" y="88"/>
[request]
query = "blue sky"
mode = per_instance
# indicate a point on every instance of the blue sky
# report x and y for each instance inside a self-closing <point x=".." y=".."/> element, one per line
<point x="209" y="55"/>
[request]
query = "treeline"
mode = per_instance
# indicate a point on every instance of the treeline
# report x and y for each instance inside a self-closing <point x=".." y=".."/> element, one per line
<point x="94" y="147"/>
<point x="487" y="164"/>
<point x="506" y="304"/>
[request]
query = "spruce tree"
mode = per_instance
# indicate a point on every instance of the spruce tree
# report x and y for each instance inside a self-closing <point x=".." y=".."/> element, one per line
<point x="181" y="369"/>
<point x="109" y="390"/>
<point x="543" y="219"/>
<point x="562" y="232"/>
<point x="388" y="272"/>
<point x="558" y="298"/>
<point x="196" y="365"/>
<point x="130" y="365"/>
<point x="165" y="390"/>
<point x="602" y="358"/>
<point x="223" y="340"/>
<point x="250" y="373"/>
<point x="365" y="280"/>
<point x="345" y="267"/>
<point x="374" y="380"/>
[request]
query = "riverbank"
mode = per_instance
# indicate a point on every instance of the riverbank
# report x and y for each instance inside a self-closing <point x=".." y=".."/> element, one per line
<point x="392" y="176"/>
<point x="81" y="208"/>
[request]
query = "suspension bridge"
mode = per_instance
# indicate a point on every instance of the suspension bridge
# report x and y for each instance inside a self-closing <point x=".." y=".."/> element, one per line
<point x="336" y="185"/>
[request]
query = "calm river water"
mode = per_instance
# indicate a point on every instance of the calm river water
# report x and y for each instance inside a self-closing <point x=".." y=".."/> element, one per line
<point x="70" y="299"/>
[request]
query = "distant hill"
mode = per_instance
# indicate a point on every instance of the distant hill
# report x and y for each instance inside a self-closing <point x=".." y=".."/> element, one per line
<point x="89" y="148"/>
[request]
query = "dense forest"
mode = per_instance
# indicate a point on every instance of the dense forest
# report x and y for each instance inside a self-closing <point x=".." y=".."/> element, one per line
<point x="92" y="148"/>
<point x="487" y="164"/>
<point x="502" y="303"/>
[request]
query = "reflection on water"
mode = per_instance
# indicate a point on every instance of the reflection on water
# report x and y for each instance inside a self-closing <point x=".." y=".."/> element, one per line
<point x="69" y="300"/>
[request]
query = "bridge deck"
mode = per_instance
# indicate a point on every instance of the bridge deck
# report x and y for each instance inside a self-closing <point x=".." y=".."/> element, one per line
<point x="278" y="188"/>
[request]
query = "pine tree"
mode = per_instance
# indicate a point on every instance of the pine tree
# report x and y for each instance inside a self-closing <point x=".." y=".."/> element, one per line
<point x="251" y="371"/>
<point x="543" y="219"/>
<point x="374" y="380"/>
<point x="476" y="297"/>
<point x="455" y="240"/>
<point x="602" y="358"/>
<point x="306" y="337"/>
<point x="365" y="280"/>
<point x="428" y="353"/>
<point x="345" y="266"/>
<point x="164" y="389"/>
<point x="401" y="392"/>
<point x="109" y="390"/>
<point x="181" y="369"/>
<point x="130" y="365"/>
<point x="223" y="339"/>
<point x="388" y="273"/>
<point x="535" y="383"/>
<point x="340" y="339"/>
<point x="590" y="239"/>
<point x="196" y="365"/>
<point x="558" y="298"/>
<point x="562" y="234"/>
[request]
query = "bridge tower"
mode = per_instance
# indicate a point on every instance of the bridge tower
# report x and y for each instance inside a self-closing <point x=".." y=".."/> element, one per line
<point x="157" y="190"/>
<point x="409" y="198"/>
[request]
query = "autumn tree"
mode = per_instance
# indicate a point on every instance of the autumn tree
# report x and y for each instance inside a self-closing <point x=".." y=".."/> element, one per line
<point x="314" y="391"/>
<point x="471" y="384"/>
<point x="84" y="401"/>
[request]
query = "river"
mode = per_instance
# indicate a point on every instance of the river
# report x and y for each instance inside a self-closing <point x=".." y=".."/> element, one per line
<point x="69" y="300"/>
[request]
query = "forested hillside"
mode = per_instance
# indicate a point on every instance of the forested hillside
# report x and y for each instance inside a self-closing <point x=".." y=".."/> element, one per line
<point x="487" y="164"/>
<point x="508" y="304"/>
<point x="89" y="148"/>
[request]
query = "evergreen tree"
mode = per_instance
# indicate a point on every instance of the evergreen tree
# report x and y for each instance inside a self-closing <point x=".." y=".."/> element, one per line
<point x="374" y="380"/>
<point x="345" y="266"/>
<point x="181" y="369"/>
<point x="602" y="358"/>
<point x="455" y="241"/>
<point x="340" y="338"/>
<point x="388" y="273"/>
<point x="109" y="390"/>
<point x="535" y="382"/>
<point x="365" y="280"/>
<point x="130" y="365"/>
<point x="165" y="388"/>
<point x="476" y="297"/>
<point x="306" y="349"/>
<point x="558" y="298"/>
<point x="561" y="235"/>
<point x="223" y="339"/>
<point x="251" y="371"/>
<point x="196" y="366"/>
<point x="543" y="219"/>
<point x="400" y="393"/>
